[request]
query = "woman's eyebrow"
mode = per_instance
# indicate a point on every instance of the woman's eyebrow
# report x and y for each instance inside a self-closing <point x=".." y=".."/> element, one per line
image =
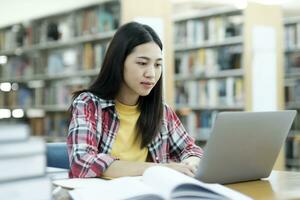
<point x="147" y="58"/>
<point x="143" y="57"/>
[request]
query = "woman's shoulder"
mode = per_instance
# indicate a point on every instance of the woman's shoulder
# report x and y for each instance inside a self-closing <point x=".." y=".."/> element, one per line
<point x="86" y="97"/>
<point x="90" y="98"/>
<point x="168" y="111"/>
<point x="166" y="106"/>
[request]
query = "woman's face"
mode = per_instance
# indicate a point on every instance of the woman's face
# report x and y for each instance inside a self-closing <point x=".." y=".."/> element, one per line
<point x="142" y="70"/>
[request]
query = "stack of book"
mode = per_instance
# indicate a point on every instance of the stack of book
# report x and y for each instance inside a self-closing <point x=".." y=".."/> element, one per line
<point x="22" y="164"/>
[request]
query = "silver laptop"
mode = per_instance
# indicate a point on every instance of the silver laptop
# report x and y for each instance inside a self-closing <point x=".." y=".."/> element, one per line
<point x="244" y="146"/>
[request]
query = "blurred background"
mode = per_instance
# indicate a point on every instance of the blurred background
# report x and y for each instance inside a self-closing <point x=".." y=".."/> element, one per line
<point x="219" y="55"/>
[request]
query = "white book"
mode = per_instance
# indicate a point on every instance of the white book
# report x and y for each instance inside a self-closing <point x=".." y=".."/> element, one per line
<point x="191" y="124"/>
<point x="203" y="93"/>
<point x="298" y="35"/>
<point x="212" y="93"/>
<point x="34" y="145"/>
<point x="22" y="159"/>
<point x="190" y="26"/>
<point x="192" y="91"/>
<point x="22" y="167"/>
<point x="230" y="91"/>
<point x="13" y="132"/>
<point x="199" y="28"/>
<point x="184" y="64"/>
<point x="220" y="29"/>
<point x="156" y="183"/>
<point x="212" y="30"/>
<point x="34" y="189"/>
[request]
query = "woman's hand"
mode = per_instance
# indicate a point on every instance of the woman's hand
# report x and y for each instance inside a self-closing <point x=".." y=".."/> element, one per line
<point x="181" y="167"/>
<point x="193" y="162"/>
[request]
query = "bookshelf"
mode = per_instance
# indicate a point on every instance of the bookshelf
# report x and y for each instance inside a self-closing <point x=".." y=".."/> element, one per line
<point x="42" y="61"/>
<point x="292" y="86"/>
<point x="201" y="76"/>
<point x="217" y="64"/>
<point x="45" y="59"/>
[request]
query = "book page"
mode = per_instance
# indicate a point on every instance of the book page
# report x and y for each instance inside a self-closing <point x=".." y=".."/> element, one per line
<point x="167" y="181"/>
<point x="75" y="183"/>
<point x="164" y="179"/>
<point x="119" y="188"/>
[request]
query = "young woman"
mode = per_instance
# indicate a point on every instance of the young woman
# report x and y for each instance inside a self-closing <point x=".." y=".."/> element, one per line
<point x="120" y="125"/>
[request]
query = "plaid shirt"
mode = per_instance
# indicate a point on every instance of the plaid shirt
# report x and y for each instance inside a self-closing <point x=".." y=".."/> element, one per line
<point x="93" y="128"/>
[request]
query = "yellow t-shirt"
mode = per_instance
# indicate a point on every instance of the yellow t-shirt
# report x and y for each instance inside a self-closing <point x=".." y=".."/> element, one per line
<point x="127" y="145"/>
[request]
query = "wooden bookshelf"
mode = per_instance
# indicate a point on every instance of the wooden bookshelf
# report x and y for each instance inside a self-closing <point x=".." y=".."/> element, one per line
<point x="48" y="58"/>
<point x="292" y="88"/>
<point x="216" y="70"/>
<point x="59" y="44"/>
<point x="45" y="70"/>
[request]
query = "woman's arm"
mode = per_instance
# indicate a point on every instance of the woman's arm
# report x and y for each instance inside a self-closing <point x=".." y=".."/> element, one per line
<point x="182" y="145"/>
<point x="121" y="168"/>
<point x="82" y="140"/>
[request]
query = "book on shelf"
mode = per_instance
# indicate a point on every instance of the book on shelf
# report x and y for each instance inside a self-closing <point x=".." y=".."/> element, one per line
<point x="233" y="25"/>
<point x="290" y="36"/>
<point x="63" y="61"/>
<point x="99" y="51"/>
<point x="59" y="92"/>
<point x="203" y="30"/>
<point x="229" y="57"/>
<point x="292" y="92"/>
<point x="37" y="125"/>
<point x="156" y="183"/>
<point x="208" y="61"/>
<point x="99" y="18"/>
<point x="56" y="125"/>
<point x="204" y="58"/>
<point x="91" y="20"/>
<point x="198" y="123"/>
<point x="106" y="21"/>
<point x="25" y="97"/>
<point x="216" y="29"/>
<point x="292" y="62"/>
<point x="63" y="51"/>
<point x="88" y="56"/>
<point x="296" y="125"/>
<point x="292" y="151"/>
<point x="210" y="93"/>
<point x="66" y="27"/>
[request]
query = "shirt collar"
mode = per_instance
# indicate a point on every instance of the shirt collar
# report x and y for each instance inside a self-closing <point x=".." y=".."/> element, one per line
<point x="106" y="103"/>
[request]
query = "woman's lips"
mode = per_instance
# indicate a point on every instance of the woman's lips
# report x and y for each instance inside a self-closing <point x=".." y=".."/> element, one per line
<point x="147" y="84"/>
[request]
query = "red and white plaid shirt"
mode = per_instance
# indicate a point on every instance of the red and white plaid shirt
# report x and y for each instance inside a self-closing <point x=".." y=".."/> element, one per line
<point x="93" y="128"/>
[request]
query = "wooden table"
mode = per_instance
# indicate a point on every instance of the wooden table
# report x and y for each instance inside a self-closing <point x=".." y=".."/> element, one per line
<point x="279" y="185"/>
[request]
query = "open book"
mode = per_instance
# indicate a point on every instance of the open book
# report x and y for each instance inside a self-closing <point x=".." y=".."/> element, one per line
<point x="156" y="183"/>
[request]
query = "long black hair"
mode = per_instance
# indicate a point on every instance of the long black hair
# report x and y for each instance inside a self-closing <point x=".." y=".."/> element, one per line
<point x="108" y="82"/>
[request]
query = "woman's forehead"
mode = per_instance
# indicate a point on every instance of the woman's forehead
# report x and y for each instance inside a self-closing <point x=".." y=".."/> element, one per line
<point x="148" y="50"/>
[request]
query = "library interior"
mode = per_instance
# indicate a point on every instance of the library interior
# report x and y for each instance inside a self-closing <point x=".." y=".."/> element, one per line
<point x="240" y="56"/>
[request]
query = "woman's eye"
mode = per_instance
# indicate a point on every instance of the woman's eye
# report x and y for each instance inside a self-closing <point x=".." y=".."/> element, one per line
<point x="141" y="63"/>
<point x="158" y="65"/>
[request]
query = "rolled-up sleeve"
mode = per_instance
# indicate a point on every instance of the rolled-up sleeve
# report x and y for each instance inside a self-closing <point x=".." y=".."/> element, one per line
<point x="182" y="145"/>
<point x="85" y="159"/>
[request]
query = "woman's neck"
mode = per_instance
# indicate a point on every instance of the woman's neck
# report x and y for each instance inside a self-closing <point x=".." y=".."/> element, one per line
<point x="127" y="100"/>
